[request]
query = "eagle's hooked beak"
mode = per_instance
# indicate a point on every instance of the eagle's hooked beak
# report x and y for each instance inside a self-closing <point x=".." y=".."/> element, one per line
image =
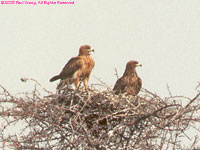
<point x="91" y="50"/>
<point x="138" y="65"/>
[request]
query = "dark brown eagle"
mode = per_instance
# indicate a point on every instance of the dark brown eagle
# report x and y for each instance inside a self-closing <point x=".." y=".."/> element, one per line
<point x="129" y="82"/>
<point x="78" y="68"/>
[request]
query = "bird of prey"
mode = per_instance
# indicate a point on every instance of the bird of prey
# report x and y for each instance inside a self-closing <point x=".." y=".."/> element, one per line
<point x="129" y="82"/>
<point x="78" y="68"/>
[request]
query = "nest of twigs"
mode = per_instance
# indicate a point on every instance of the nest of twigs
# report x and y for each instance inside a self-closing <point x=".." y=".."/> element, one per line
<point x="92" y="119"/>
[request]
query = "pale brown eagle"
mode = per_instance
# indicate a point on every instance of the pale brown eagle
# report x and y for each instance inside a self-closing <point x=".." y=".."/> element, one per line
<point x="78" y="68"/>
<point x="129" y="82"/>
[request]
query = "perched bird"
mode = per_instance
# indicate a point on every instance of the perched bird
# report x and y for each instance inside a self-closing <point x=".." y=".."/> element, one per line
<point x="78" y="68"/>
<point x="129" y="82"/>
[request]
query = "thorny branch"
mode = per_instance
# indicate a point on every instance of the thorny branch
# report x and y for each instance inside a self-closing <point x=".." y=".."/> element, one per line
<point x="93" y="119"/>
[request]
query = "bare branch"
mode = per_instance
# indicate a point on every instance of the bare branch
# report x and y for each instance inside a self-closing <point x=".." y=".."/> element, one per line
<point x="94" y="119"/>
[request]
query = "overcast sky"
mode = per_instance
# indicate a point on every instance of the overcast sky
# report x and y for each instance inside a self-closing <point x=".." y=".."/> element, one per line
<point x="163" y="35"/>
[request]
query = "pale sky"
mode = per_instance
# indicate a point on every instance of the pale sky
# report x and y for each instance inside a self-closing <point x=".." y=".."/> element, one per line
<point x="163" y="35"/>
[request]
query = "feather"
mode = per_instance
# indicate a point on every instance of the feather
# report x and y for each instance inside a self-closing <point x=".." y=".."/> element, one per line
<point x="129" y="82"/>
<point x="78" y="68"/>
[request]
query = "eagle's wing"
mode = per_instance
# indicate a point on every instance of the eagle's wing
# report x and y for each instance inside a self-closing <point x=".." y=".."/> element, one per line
<point x="134" y="87"/>
<point x="119" y="86"/>
<point x="138" y="86"/>
<point x="73" y="65"/>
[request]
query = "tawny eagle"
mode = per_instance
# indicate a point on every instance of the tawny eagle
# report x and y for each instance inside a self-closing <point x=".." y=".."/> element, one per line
<point x="129" y="82"/>
<point x="78" y="68"/>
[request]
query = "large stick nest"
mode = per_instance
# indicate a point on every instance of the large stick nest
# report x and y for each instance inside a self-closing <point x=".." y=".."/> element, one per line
<point x="80" y="119"/>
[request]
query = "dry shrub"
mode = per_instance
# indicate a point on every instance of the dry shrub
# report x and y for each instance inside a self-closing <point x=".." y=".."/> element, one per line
<point x="93" y="119"/>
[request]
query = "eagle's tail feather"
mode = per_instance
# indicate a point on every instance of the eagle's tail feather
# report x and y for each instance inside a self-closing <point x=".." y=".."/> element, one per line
<point x="55" y="78"/>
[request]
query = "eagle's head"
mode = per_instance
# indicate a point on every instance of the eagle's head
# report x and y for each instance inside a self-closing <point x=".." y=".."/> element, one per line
<point x="130" y="67"/>
<point x="85" y="50"/>
<point x="133" y="64"/>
